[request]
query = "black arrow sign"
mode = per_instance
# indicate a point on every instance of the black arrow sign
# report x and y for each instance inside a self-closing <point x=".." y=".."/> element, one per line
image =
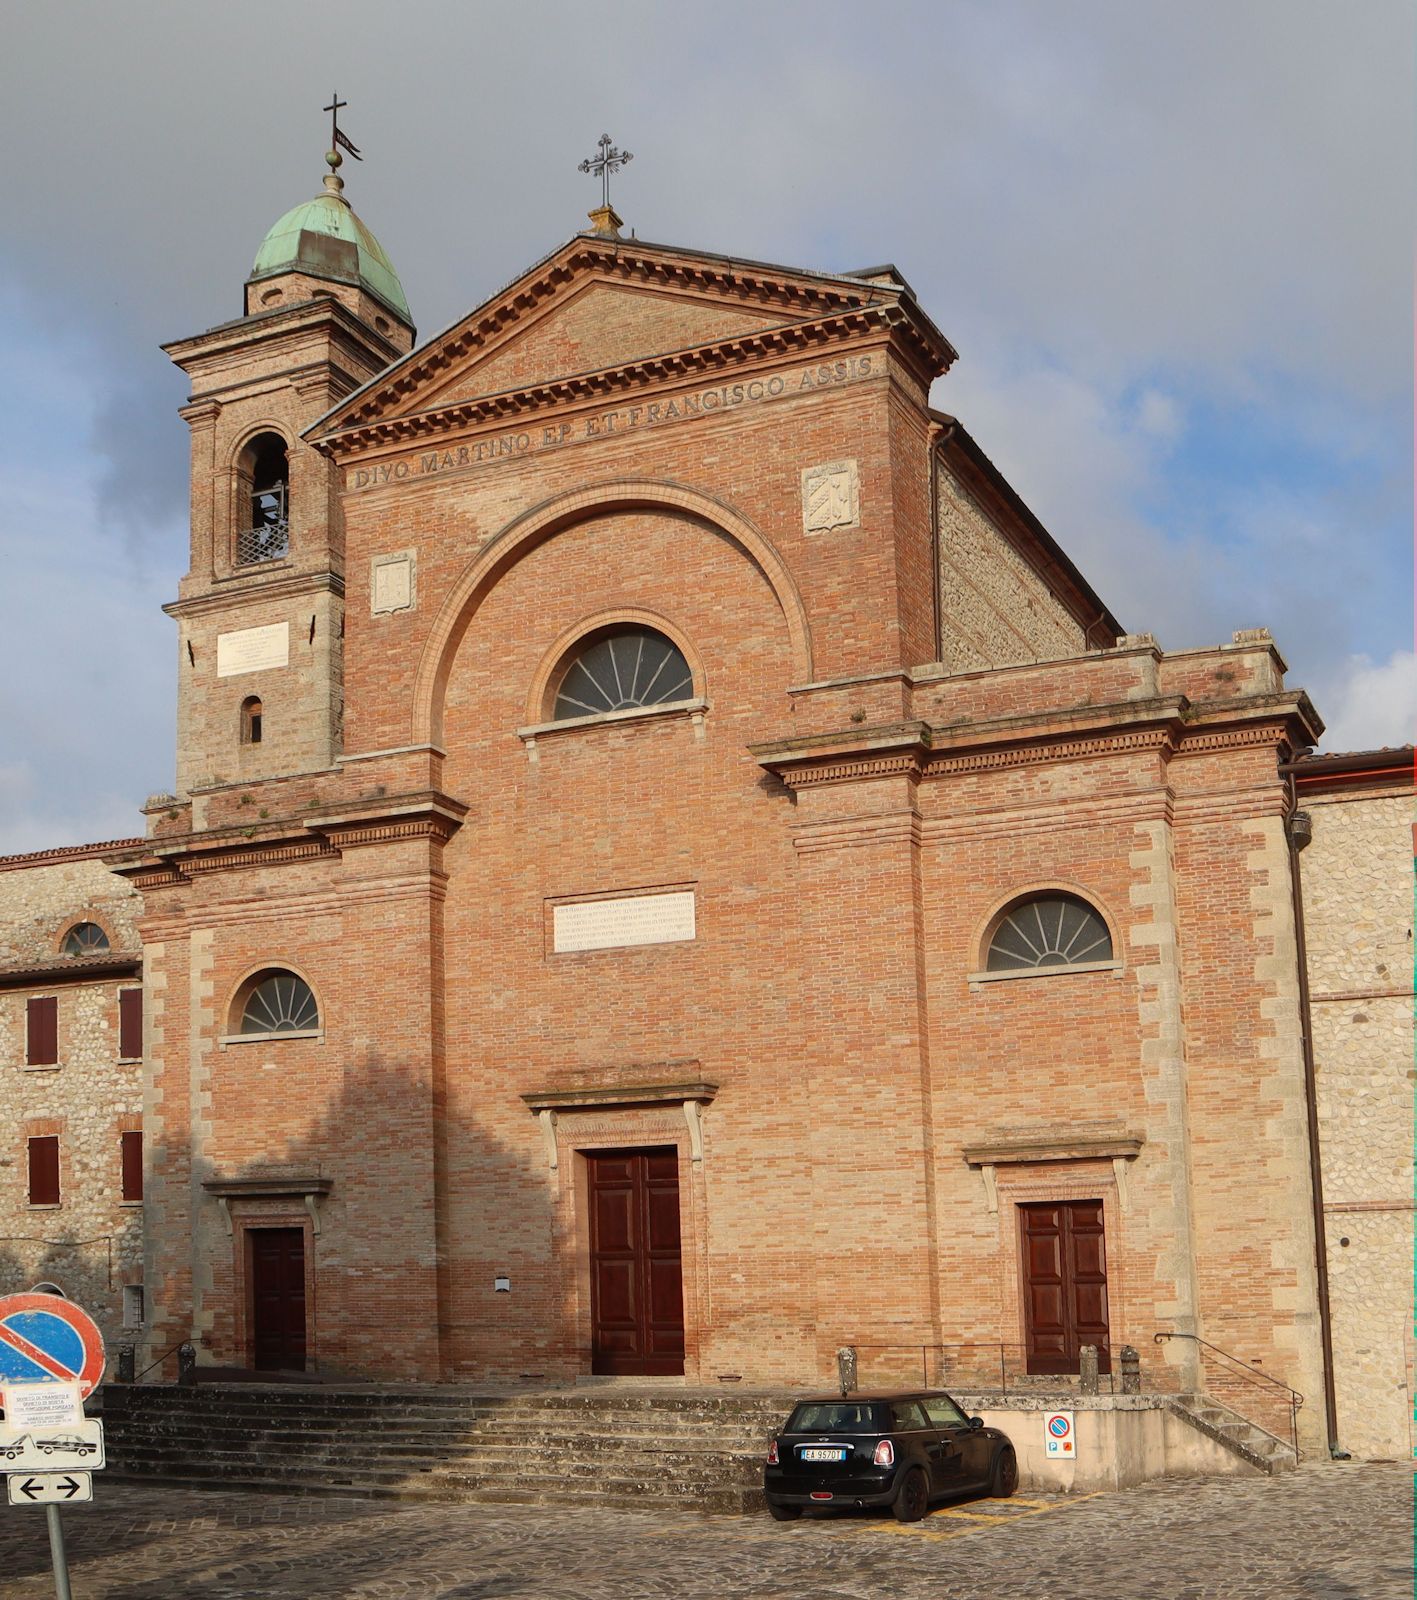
<point x="69" y="1486"/>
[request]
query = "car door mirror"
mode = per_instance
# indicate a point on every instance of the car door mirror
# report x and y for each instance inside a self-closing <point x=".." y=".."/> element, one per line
<point x="976" y="1422"/>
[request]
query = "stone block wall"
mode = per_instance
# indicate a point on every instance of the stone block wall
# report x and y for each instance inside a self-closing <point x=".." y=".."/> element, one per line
<point x="90" y="1244"/>
<point x="1357" y="882"/>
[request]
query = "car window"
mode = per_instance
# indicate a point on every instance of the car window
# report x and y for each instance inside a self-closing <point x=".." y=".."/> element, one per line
<point x="833" y="1416"/>
<point x="944" y="1413"/>
<point x="907" y="1415"/>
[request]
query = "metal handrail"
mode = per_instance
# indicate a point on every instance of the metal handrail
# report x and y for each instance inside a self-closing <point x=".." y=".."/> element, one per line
<point x="1003" y="1349"/>
<point x="1243" y="1369"/>
<point x="171" y="1350"/>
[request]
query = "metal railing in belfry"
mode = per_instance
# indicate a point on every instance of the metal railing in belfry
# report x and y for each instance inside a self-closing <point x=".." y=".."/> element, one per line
<point x="269" y="542"/>
<point x="1237" y="1368"/>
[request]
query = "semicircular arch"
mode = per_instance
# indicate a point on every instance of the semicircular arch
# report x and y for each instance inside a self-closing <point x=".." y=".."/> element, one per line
<point x="542" y="522"/>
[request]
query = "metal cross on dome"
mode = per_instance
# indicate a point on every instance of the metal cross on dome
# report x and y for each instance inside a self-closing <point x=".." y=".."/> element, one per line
<point x="609" y="160"/>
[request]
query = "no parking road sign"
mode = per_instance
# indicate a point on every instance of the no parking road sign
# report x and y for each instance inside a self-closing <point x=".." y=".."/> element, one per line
<point x="46" y="1339"/>
<point x="1059" y="1438"/>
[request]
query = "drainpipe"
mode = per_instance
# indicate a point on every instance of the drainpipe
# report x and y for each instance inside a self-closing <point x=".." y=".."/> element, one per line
<point x="1299" y="836"/>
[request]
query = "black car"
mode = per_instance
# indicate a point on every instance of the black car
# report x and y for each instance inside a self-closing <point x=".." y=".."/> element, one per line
<point x="896" y="1450"/>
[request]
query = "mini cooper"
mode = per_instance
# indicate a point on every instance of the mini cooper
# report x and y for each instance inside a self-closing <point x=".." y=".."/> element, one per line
<point x="896" y="1450"/>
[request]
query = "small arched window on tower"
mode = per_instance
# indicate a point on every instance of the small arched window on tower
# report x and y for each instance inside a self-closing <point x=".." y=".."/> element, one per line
<point x="263" y="525"/>
<point x="251" y="714"/>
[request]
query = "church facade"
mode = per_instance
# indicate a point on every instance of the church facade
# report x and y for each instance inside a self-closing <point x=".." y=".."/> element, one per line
<point x="673" y="871"/>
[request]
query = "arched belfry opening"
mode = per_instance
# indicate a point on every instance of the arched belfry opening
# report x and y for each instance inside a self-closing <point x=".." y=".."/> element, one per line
<point x="252" y="714"/>
<point x="263" y="501"/>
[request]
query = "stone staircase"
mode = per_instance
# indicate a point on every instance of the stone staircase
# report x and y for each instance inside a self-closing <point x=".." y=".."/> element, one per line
<point x="605" y="1447"/>
<point x="1237" y="1435"/>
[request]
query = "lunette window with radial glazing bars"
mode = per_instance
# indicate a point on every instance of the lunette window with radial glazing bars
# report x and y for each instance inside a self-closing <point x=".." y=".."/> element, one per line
<point x="1049" y="931"/>
<point x="280" y="1003"/>
<point x="622" y="671"/>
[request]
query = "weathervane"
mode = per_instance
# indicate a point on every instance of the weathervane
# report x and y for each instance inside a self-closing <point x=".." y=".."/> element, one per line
<point x="609" y="160"/>
<point x="338" y="140"/>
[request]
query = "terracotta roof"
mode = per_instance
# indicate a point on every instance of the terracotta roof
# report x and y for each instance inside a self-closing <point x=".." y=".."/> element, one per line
<point x="107" y="963"/>
<point x="66" y="852"/>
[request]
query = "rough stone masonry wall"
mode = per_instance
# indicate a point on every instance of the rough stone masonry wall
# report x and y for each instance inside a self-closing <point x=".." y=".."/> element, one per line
<point x="994" y="608"/>
<point x="88" y="1099"/>
<point x="1357" y="880"/>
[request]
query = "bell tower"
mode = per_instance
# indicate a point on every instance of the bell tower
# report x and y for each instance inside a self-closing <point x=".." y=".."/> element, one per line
<point x="260" y="613"/>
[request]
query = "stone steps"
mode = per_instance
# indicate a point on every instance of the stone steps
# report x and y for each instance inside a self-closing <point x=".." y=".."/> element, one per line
<point x="669" y="1448"/>
<point x="1237" y="1434"/>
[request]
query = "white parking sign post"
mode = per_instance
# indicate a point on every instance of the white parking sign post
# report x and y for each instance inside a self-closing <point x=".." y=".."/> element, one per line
<point x="1059" y="1438"/>
<point x="51" y="1360"/>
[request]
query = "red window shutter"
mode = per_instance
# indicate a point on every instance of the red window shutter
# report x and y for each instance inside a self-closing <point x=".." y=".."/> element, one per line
<point x="44" y="1170"/>
<point x="132" y="1166"/>
<point x="42" y="1031"/>
<point x="130" y="1024"/>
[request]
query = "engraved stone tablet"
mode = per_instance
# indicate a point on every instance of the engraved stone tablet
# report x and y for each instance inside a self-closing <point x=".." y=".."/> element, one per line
<point x="252" y="650"/>
<point x="831" y="497"/>
<point x="640" y="919"/>
<point x="391" y="585"/>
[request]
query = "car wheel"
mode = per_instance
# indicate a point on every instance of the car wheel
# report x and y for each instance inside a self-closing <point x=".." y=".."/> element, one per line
<point x="1004" y="1479"/>
<point x="912" y="1499"/>
<point x="781" y="1513"/>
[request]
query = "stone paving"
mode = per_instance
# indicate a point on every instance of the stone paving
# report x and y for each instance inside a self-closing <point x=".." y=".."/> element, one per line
<point x="1341" y="1532"/>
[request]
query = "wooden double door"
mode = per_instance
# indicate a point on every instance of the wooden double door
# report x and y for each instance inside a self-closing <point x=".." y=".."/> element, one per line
<point x="636" y="1275"/>
<point x="1064" y="1284"/>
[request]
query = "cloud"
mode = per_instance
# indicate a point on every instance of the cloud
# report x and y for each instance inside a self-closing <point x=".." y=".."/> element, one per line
<point x="1372" y="703"/>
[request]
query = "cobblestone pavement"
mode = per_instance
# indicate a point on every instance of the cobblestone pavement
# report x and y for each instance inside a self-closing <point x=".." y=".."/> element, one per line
<point x="1340" y="1532"/>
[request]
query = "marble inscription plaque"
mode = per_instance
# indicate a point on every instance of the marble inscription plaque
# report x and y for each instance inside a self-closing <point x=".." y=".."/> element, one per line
<point x="831" y="497"/>
<point x="252" y="650"/>
<point x="392" y="586"/>
<point x="639" y="919"/>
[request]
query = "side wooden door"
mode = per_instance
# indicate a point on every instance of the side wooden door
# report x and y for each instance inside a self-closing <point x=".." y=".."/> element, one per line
<point x="278" y="1299"/>
<point x="636" y="1276"/>
<point x="1064" y="1284"/>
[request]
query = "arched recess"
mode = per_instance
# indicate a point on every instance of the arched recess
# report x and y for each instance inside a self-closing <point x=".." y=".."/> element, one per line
<point x="548" y="519"/>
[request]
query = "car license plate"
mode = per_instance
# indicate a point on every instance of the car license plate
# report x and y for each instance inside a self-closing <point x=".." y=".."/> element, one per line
<point x="813" y="1452"/>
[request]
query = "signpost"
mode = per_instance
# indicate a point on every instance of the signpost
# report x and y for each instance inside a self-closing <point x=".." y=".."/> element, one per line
<point x="51" y="1360"/>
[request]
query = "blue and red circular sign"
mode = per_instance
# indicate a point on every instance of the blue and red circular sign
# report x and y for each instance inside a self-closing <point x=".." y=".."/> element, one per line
<point x="47" y="1339"/>
<point x="1059" y="1427"/>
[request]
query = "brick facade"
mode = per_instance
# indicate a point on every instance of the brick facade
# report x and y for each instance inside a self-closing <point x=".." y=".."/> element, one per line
<point x="908" y="711"/>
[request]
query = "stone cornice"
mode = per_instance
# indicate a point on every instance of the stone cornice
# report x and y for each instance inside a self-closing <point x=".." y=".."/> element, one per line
<point x="177" y="860"/>
<point x="799" y="338"/>
<point x="257" y="589"/>
<point x="1164" y="726"/>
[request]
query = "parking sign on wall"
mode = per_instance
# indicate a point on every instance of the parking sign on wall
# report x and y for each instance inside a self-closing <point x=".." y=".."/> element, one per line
<point x="1059" y="1439"/>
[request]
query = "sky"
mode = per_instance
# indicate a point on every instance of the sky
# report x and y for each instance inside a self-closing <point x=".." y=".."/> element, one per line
<point x="1171" y="240"/>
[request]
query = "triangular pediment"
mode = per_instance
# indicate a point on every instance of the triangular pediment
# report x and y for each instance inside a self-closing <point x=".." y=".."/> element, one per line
<point x="600" y="304"/>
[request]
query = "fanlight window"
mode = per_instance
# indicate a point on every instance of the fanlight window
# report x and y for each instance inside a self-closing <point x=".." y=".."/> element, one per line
<point x="280" y="1003"/>
<point x="1053" y="930"/>
<point x="620" y="671"/>
<point x="85" y="939"/>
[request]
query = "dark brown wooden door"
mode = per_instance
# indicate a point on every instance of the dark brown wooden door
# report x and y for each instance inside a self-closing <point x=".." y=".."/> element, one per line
<point x="636" y="1280"/>
<point x="278" y="1298"/>
<point x="1064" y="1284"/>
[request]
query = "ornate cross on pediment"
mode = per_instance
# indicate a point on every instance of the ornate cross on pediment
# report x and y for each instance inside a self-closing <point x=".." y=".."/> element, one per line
<point x="609" y="160"/>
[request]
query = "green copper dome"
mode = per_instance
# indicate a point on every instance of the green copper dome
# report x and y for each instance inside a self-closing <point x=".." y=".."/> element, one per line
<point x="325" y="238"/>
